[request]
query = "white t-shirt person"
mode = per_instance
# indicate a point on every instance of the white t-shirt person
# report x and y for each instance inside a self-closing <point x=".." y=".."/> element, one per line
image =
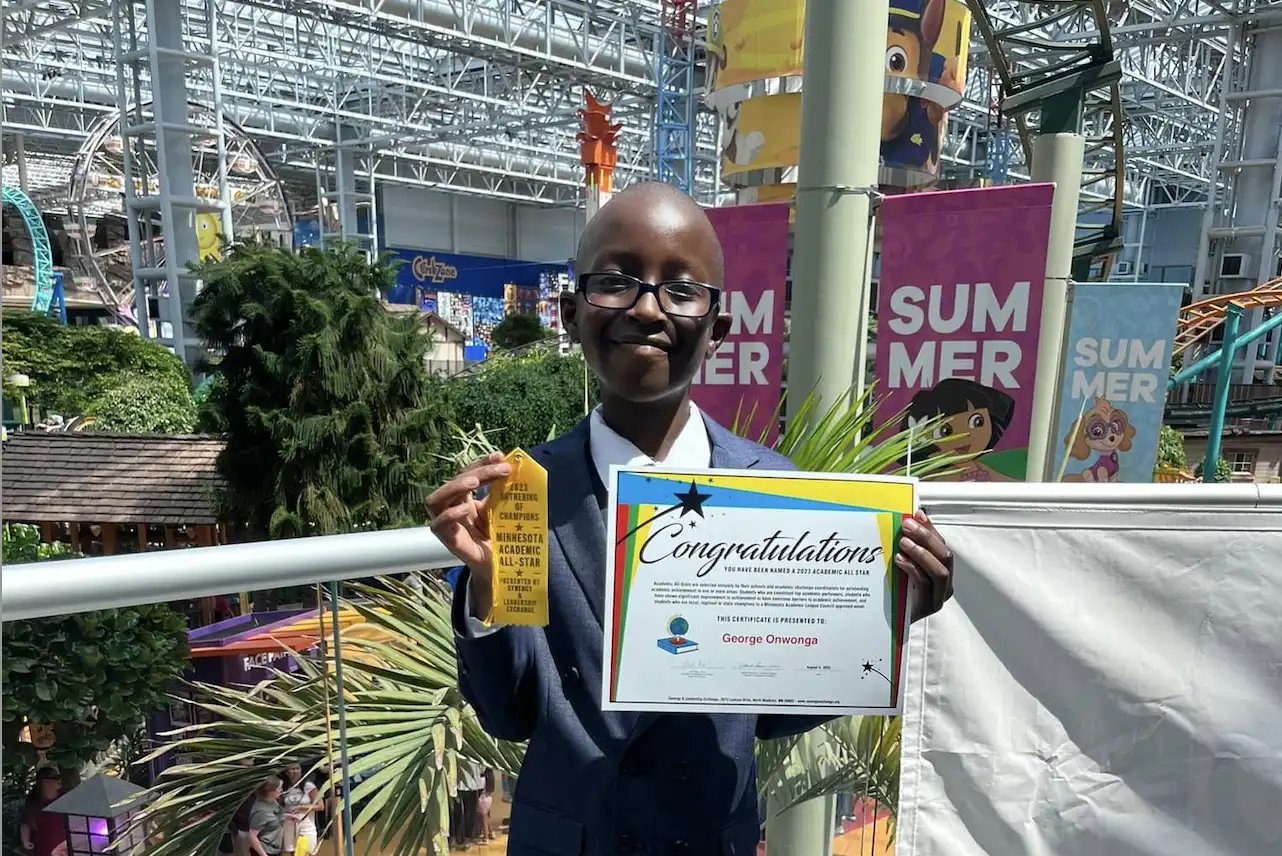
<point x="300" y="818"/>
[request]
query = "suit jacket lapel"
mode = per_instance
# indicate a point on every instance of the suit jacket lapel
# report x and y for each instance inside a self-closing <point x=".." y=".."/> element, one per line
<point x="574" y="514"/>
<point x="729" y="452"/>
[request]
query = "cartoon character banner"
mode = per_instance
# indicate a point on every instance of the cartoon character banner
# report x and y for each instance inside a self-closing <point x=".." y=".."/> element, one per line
<point x="743" y="379"/>
<point x="1116" y="365"/>
<point x="927" y="49"/>
<point x="958" y="316"/>
<point x="754" y="39"/>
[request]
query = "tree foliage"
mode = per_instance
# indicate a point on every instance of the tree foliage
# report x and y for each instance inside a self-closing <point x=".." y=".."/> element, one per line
<point x="1170" y="449"/>
<point x="140" y="405"/>
<point x="520" y="400"/>
<point x="517" y="330"/>
<point x="323" y="396"/>
<point x="71" y="367"/>
<point x="94" y="676"/>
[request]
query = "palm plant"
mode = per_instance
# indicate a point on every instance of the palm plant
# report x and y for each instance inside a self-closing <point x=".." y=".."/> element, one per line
<point x="408" y="725"/>
<point x="407" y="728"/>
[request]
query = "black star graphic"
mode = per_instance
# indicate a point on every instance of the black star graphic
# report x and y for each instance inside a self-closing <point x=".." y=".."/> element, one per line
<point x="693" y="524"/>
<point x="519" y="527"/>
<point x="692" y="500"/>
<point x="519" y="574"/>
<point x="870" y="669"/>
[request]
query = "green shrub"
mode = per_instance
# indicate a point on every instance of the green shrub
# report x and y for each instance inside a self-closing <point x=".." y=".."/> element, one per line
<point x="70" y="367"/>
<point x="1223" y="471"/>
<point x="94" y="676"/>
<point x="145" y="406"/>
<point x="520" y="400"/>
<point x="517" y="330"/>
<point x="1170" y="448"/>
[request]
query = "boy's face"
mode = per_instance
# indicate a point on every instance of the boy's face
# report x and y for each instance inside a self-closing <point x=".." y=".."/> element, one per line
<point x="643" y="354"/>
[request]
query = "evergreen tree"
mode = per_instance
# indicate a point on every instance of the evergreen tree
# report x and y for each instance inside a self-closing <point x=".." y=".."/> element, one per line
<point x="322" y="394"/>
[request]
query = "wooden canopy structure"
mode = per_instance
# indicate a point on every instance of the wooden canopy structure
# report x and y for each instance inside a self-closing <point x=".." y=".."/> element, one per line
<point x="113" y="493"/>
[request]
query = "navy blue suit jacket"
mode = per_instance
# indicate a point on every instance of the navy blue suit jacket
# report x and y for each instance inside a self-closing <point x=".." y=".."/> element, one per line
<point x="596" y="783"/>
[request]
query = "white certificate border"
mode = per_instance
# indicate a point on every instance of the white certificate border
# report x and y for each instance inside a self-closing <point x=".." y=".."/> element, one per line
<point x="607" y="658"/>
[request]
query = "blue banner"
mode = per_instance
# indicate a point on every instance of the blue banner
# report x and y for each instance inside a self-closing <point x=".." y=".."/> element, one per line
<point x="1116" y="366"/>
<point x="425" y="272"/>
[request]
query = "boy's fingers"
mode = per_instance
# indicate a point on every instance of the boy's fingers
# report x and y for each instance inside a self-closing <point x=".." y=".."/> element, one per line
<point x="491" y="458"/>
<point x="461" y="486"/>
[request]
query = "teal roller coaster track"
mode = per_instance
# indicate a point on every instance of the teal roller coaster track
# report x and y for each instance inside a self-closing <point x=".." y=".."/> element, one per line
<point x="48" y="291"/>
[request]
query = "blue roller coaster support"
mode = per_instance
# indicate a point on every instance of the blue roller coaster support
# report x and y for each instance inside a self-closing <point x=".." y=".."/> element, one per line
<point x="59" y="302"/>
<point x="43" y="298"/>
<point x="674" y="112"/>
<point x="1000" y="145"/>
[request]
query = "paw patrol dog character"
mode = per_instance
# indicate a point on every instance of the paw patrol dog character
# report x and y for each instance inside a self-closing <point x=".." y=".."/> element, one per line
<point x="910" y="126"/>
<point x="1104" y="431"/>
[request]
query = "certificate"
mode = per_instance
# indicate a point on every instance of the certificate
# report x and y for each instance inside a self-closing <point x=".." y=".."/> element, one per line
<point x="738" y="591"/>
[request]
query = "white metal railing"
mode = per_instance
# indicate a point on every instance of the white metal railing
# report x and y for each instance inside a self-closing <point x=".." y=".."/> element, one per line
<point x="60" y="588"/>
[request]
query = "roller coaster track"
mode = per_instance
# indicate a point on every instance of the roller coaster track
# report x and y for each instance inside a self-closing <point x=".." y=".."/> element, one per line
<point x="1066" y="46"/>
<point x="41" y="252"/>
<point x="1199" y="320"/>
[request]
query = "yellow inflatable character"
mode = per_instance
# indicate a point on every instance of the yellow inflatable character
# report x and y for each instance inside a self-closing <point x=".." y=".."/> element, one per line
<point x="209" y="237"/>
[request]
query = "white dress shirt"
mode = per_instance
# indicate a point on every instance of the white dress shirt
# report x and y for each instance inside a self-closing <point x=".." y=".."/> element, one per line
<point x="691" y="450"/>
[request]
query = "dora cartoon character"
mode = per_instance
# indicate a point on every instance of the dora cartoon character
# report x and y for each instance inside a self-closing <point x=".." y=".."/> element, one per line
<point x="1105" y="431"/>
<point x="972" y="419"/>
<point x="910" y="126"/>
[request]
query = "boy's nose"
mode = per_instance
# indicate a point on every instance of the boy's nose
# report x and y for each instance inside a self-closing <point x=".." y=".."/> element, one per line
<point x="647" y="308"/>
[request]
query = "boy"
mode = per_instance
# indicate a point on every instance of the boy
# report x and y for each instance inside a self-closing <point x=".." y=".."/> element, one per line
<point x="647" y="311"/>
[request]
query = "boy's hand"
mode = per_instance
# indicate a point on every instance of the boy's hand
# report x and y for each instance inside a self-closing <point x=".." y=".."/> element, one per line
<point x="925" y="558"/>
<point x="458" y="519"/>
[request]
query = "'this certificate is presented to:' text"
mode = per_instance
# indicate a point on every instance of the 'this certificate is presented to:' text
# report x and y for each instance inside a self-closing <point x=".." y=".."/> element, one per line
<point x="738" y="591"/>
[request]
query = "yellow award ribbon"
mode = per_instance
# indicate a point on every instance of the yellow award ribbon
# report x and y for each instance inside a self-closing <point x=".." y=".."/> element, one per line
<point x="518" y="522"/>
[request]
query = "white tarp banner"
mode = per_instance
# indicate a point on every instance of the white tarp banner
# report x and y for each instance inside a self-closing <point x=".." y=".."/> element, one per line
<point x="1108" y="681"/>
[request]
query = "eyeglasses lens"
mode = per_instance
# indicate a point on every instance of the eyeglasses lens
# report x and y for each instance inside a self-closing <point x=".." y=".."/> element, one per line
<point x="681" y="298"/>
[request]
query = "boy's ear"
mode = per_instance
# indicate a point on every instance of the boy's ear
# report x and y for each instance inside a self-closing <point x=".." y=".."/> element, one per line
<point x="570" y="316"/>
<point x="720" y="329"/>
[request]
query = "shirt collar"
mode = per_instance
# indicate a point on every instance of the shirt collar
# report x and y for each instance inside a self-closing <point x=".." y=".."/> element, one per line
<point x="691" y="450"/>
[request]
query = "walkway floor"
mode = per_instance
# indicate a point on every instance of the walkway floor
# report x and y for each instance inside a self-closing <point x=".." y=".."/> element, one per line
<point x="863" y="836"/>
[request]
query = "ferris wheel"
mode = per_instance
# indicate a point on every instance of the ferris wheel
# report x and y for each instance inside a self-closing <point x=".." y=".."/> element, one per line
<point x="259" y="205"/>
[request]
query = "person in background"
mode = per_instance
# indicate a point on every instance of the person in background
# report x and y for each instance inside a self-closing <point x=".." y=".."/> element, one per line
<point x="470" y="785"/>
<point x="41" y="831"/>
<point x="483" y="806"/>
<point x="845" y="811"/>
<point x="301" y="801"/>
<point x="238" y="826"/>
<point x="267" y="820"/>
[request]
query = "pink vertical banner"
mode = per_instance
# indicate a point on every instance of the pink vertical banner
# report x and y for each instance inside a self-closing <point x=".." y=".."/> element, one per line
<point x="958" y="315"/>
<point x="743" y="379"/>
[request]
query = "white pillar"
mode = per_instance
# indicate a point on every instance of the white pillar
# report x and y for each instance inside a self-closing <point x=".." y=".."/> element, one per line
<point x="1056" y="158"/>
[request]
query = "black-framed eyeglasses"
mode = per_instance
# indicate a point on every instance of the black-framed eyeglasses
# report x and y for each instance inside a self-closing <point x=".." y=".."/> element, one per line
<point x="680" y="297"/>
